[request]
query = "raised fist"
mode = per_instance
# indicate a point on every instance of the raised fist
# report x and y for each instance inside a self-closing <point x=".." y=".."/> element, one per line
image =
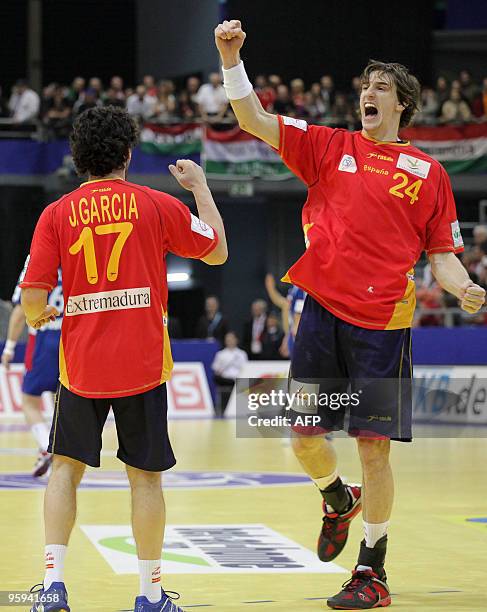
<point x="188" y="174"/>
<point x="229" y="38"/>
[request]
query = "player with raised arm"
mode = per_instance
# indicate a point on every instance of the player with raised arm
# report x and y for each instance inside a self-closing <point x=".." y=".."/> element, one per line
<point x="110" y="238"/>
<point x="374" y="204"/>
<point x="41" y="367"/>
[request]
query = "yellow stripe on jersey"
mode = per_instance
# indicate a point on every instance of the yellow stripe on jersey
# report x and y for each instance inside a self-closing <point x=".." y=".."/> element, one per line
<point x="63" y="372"/>
<point x="167" y="362"/>
<point x="404" y="308"/>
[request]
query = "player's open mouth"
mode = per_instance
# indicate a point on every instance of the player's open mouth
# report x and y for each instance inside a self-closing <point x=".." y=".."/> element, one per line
<point x="370" y="110"/>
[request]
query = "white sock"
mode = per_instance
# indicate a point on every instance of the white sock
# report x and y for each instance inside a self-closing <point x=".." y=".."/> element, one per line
<point x="40" y="431"/>
<point x="54" y="555"/>
<point x="150" y="579"/>
<point x="374" y="532"/>
<point x="325" y="481"/>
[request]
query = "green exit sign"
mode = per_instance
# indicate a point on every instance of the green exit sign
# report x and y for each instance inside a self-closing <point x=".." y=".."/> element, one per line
<point x="242" y="188"/>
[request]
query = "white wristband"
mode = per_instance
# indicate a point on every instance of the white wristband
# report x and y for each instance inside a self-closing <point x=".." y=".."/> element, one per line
<point x="10" y="346"/>
<point x="236" y="82"/>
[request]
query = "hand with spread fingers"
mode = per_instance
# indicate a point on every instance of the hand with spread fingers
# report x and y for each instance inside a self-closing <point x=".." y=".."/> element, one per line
<point x="472" y="298"/>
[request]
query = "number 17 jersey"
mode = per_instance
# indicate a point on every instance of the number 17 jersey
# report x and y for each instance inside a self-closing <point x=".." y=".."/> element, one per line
<point x="111" y="238"/>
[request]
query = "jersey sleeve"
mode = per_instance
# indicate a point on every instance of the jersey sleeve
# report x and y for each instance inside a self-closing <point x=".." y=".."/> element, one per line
<point x="443" y="231"/>
<point x="44" y="258"/>
<point x="184" y="234"/>
<point x="303" y="146"/>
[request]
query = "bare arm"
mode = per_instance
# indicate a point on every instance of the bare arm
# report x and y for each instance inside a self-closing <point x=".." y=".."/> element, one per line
<point x="191" y="176"/>
<point x="251" y="116"/>
<point x="16" y="326"/>
<point x="278" y="300"/>
<point x="453" y="277"/>
<point x="34" y="305"/>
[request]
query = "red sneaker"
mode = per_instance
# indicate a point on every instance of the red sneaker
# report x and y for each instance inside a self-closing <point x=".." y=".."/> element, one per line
<point x="365" y="590"/>
<point x="334" y="532"/>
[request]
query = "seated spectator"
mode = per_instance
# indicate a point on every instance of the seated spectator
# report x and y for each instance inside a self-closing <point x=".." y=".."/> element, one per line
<point x="264" y="92"/>
<point x="354" y="97"/>
<point x="314" y="103"/>
<point x="115" y="91"/>
<point x="212" y="324"/>
<point x="442" y="91"/>
<point x="90" y="99"/>
<point x="272" y="338"/>
<point x="24" y="103"/>
<point x="227" y="366"/>
<point x="274" y="81"/>
<point x="149" y="83"/>
<point x="96" y="85"/>
<point x="165" y="105"/>
<point x="187" y="110"/>
<point x="254" y="329"/>
<point x="112" y="98"/>
<point x="297" y="97"/>
<point x="327" y="91"/>
<point x="479" y="105"/>
<point x="429" y="297"/>
<point x="76" y="90"/>
<point x="193" y="85"/>
<point x="283" y="104"/>
<point x="429" y="107"/>
<point x="58" y="114"/>
<point x="469" y="89"/>
<point x="455" y="110"/>
<point x="140" y="105"/>
<point x="212" y="99"/>
<point x="341" y="114"/>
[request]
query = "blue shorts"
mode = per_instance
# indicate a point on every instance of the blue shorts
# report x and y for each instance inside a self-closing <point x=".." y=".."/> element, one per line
<point x="42" y="371"/>
<point x="355" y="379"/>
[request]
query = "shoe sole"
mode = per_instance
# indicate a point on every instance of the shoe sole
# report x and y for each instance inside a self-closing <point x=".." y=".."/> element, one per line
<point x="382" y="603"/>
<point x="43" y="469"/>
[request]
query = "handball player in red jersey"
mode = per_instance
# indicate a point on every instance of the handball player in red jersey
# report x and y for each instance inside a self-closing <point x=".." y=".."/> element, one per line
<point x="110" y="238"/>
<point x="374" y="204"/>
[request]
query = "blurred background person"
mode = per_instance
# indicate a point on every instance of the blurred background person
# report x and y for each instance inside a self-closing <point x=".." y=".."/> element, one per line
<point x="212" y="324"/>
<point x="254" y="329"/>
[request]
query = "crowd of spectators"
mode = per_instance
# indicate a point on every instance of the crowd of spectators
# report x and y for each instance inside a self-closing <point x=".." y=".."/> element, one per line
<point x="433" y="301"/>
<point x="462" y="100"/>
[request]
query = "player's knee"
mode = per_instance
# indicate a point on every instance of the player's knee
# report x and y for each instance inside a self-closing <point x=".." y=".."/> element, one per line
<point x="306" y="446"/>
<point x="68" y="468"/>
<point x="142" y="478"/>
<point x="374" y="454"/>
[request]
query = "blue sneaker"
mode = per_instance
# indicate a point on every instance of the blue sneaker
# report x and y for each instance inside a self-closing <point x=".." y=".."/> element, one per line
<point x="142" y="604"/>
<point x="55" y="599"/>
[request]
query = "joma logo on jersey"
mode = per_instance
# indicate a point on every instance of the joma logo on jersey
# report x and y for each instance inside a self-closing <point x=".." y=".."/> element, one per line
<point x="418" y="167"/>
<point x="380" y="157"/>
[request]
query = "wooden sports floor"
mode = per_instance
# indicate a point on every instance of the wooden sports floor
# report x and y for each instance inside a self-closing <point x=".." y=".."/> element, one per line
<point x="438" y="538"/>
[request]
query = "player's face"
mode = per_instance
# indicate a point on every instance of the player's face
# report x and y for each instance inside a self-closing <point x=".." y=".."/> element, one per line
<point x="379" y="106"/>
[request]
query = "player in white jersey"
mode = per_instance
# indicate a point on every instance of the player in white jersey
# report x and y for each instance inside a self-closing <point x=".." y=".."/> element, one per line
<point x="41" y="367"/>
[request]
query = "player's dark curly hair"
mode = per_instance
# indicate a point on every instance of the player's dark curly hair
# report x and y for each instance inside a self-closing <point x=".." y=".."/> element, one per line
<point x="102" y="139"/>
<point x="407" y="86"/>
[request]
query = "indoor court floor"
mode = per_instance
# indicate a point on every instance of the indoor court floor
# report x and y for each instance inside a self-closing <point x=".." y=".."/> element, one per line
<point x="243" y="523"/>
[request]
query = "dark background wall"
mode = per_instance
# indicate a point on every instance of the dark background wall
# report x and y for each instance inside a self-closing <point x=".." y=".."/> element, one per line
<point x="89" y="38"/>
<point x="176" y="38"/>
<point x="334" y="36"/>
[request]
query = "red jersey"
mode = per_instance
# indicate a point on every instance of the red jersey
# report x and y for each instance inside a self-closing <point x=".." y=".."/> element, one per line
<point x="110" y="238"/>
<point x="372" y="208"/>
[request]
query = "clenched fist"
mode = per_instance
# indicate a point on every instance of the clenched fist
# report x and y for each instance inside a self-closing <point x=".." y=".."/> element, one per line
<point x="188" y="174"/>
<point x="50" y="313"/>
<point x="229" y="38"/>
<point x="472" y="298"/>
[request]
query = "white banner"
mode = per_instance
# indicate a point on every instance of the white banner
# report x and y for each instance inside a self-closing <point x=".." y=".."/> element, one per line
<point x="188" y="393"/>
